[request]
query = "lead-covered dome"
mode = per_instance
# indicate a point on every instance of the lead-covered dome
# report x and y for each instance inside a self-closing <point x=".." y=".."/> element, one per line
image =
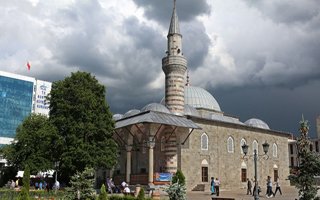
<point x="155" y="107"/>
<point x="189" y="110"/>
<point x="200" y="98"/>
<point x="116" y="117"/>
<point x="131" y="113"/>
<point x="258" y="123"/>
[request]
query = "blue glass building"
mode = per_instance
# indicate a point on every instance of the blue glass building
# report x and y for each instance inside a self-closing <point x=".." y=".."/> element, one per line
<point x="15" y="103"/>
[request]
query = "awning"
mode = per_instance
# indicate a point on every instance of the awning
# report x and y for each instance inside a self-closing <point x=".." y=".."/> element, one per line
<point x="157" y="118"/>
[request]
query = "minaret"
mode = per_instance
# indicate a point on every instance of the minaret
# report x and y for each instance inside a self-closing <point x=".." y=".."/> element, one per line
<point x="174" y="65"/>
<point x="318" y="126"/>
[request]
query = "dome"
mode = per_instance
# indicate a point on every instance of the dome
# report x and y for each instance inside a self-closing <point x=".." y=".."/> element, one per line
<point x="200" y="98"/>
<point x="116" y="117"/>
<point x="155" y="107"/>
<point x="258" y="123"/>
<point x="189" y="110"/>
<point x="131" y="113"/>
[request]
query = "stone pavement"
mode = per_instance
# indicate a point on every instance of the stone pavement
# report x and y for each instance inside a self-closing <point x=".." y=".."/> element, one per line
<point x="288" y="193"/>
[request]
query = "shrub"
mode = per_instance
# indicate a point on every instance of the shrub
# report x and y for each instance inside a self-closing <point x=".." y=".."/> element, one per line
<point x="82" y="185"/>
<point x="179" y="177"/>
<point x="103" y="193"/>
<point x="177" y="191"/>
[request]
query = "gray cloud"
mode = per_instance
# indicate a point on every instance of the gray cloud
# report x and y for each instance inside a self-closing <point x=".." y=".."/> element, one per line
<point x="257" y="58"/>
<point x="161" y="10"/>
<point x="287" y="11"/>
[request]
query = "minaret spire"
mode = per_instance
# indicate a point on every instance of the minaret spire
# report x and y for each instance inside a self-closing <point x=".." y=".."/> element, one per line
<point x="174" y="24"/>
<point x="174" y="65"/>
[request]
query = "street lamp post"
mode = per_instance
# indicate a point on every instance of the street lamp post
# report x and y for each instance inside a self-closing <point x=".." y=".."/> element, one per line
<point x="245" y="148"/>
<point x="56" y="165"/>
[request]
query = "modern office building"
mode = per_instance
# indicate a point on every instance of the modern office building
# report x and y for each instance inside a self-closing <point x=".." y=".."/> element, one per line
<point x="20" y="96"/>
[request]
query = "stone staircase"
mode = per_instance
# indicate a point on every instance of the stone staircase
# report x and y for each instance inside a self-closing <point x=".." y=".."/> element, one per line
<point x="199" y="187"/>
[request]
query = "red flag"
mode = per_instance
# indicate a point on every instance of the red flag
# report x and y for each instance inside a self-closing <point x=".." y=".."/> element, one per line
<point x="28" y="65"/>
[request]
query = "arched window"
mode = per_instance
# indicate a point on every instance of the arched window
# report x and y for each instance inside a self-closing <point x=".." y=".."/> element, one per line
<point x="204" y="141"/>
<point x="230" y="145"/>
<point x="163" y="143"/>
<point x="255" y="146"/>
<point x="242" y="142"/>
<point x="275" y="150"/>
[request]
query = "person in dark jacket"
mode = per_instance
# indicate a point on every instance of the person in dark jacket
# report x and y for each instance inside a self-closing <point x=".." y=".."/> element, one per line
<point x="249" y="187"/>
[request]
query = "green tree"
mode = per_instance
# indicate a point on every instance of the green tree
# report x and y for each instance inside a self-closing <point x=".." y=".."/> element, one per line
<point x="79" y="110"/>
<point x="24" y="194"/>
<point x="179" y="177"/>
<point x="309" y="165"/>
<point x="82" y="185"/>
<point x="34" y="144"/>
<point x="103" y="193"/>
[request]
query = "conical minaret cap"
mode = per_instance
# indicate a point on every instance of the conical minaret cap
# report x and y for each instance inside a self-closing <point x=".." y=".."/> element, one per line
<point x="174" y="24"/>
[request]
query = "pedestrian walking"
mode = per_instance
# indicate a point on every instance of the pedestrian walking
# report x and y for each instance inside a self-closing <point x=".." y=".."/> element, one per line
<point x="217" y="186"/>
<point x="212" y="185"/>
<point x="269" y="188"/>
<point x="249" y="186"/>
<point x="277" y="183"/>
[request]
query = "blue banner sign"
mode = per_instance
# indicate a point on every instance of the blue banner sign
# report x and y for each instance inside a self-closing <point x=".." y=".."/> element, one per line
<point x="163" y="177"/>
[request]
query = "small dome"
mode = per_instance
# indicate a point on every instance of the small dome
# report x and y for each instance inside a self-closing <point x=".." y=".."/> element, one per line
<point x="200" y="98"/>
<point x="258" y="123"/>
<point x="116" y="117"/>
<point x="155" y="107"/>
<point x="131" y="113"/>
<point x="189" y="110"/>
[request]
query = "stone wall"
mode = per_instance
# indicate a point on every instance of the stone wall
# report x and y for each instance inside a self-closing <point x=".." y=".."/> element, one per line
<point x="227" y="165"/>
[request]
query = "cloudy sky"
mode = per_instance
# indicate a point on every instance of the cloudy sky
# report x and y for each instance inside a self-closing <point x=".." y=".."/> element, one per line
<point x="259" y="59"/>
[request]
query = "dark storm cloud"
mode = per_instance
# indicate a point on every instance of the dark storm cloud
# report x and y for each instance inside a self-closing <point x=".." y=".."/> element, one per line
<point x="256" y="57"/>
<point x="195" y="39"/>
<point x="161" y="10"/>
<point x="195" y="43"/>
<point x="82" y="47"/>
<point x="288" y="11"/>
<point x="145" y="37"/>
<point x="280" y="108"/>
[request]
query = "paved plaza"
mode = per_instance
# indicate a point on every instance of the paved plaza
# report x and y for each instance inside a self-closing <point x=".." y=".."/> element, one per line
<point x="288" y="193"/>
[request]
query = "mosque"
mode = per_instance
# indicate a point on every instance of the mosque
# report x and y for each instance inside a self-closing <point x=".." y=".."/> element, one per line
<point x="187" y="130"/>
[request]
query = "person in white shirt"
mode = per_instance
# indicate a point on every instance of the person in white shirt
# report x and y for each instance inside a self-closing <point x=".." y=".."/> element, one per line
<point x="126" y="190"/>
<point x="123" y="185"/>
<point x="217" y="186"/>
<point x="277" y="183"/>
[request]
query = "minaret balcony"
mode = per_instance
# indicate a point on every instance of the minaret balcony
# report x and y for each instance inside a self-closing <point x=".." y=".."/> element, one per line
<point x="174" y="60"/>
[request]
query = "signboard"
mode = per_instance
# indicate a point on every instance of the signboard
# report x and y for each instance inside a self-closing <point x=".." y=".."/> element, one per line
<point x="163" y="177"/>
<point x="43" y="88"/>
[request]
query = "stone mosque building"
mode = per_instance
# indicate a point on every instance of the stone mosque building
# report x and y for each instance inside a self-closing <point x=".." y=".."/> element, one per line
<point x="187" y="130"/>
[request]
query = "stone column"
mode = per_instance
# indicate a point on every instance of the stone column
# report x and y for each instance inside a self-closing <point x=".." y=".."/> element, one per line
<point x="151" y="145"/>
<point x="128" y="169"/>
